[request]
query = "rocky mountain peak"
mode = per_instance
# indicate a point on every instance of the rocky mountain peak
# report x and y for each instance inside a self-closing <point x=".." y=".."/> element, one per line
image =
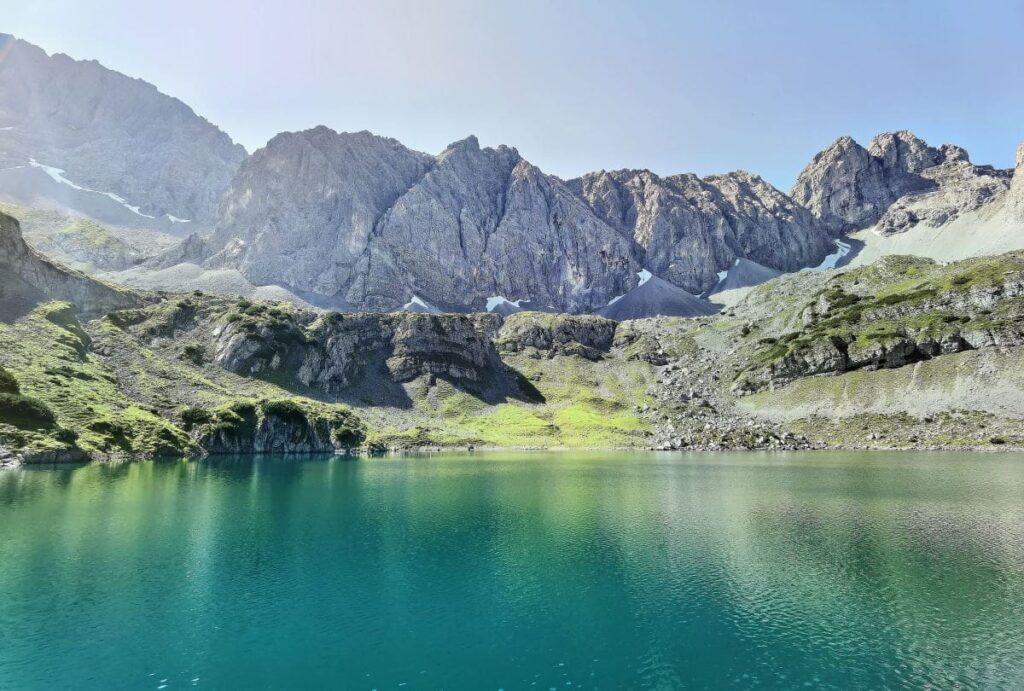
<point x="842" y="186"/>
<point x="952" y="152"/>
<point x="325" y="132"/>
<point x="301" y="210"/>
<point x="110" y="136"/>
<point x="743" y="177"/>
<point x="896" y="182"/>
<point x="362" y="220"/>
<point x="469" y="143"/>
<point x="903" y="152"/>
<point x="843" y="148"/>
<point x="692" y="228"/>
<point x="486" y="223"/>
<point x="469" y="148"/>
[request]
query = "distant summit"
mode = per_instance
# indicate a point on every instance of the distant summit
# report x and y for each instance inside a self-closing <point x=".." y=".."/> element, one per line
<point x="77" y="135"/>
<point x="897" y="182"/>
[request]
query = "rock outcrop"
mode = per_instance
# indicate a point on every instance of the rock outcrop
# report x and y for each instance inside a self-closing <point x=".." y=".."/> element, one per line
<point x="850" y="327"/>
<point x="143" y="152"/>
<point x="691" y="228"/>
<point x="27" y="279"/>
<point x="277" y="427"/>
<point x="897" y="182"/>
<point x="342" y="353"/>
<point x="547" y="335"/>
<point x="457" y="349"/>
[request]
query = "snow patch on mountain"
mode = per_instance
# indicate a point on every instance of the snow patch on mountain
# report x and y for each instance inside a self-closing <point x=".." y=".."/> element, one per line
<point x="416" y="304"/>
<point x="58" y="175"/>
<point x="644" y="275"/>
<point x="723" y="274"/>
<point x="496" y="301"/>
<point x="832" y="260"/>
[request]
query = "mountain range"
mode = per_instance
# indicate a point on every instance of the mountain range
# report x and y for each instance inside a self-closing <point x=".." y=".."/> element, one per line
<point x="355" y="221"/>
<point x="162" y="292"/>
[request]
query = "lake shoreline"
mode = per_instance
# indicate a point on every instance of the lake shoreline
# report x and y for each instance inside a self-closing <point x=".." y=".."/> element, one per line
<point x="77" y="458"/>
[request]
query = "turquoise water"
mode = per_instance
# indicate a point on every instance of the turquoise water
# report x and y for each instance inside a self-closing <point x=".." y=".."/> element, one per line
<point x="497" y="571"/>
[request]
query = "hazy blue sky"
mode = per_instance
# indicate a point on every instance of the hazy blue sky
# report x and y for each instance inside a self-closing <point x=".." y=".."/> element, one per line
<point x="702" y="86"/>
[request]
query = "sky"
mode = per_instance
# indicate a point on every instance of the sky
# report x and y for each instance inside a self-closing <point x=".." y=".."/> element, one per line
<point x="703" y="86"/>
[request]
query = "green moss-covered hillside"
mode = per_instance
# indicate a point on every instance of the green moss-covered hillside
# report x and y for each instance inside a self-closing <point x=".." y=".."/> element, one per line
<point x="906" y="353"/>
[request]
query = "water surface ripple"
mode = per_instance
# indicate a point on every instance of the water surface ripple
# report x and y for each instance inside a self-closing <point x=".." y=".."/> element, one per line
<point x="504" y="571"/>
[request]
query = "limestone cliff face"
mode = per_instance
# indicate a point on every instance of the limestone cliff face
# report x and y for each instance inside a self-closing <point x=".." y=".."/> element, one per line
<point x="897" y="182"/>
<point x="302" y="210"/>
<point x="111" y="133"/>
<point x="26" y="279"/>
<point x="371" y="223"/>
<point x="956" y="186"/>
<point x="458" y="349"/>
<point x="843" y="186"/>
<point x="1015" y="198"/>
<point x="485" y="222"/>
<point x="691" y="228"/>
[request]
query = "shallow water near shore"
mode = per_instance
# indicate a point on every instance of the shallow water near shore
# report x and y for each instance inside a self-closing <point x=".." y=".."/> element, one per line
<point x="541" y="570"/>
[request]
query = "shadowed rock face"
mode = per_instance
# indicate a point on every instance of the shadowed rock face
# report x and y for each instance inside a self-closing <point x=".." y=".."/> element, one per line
<point x="455" y="348"/>
<point x="281" y="427"/>
<point x="897" y="182"/>
<point x="691" y="228"/>
<point x="111" y="133"/>
<point x="341" y="352"/>
<point x="26" y="279"/>
<point x="268" y="434"/>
